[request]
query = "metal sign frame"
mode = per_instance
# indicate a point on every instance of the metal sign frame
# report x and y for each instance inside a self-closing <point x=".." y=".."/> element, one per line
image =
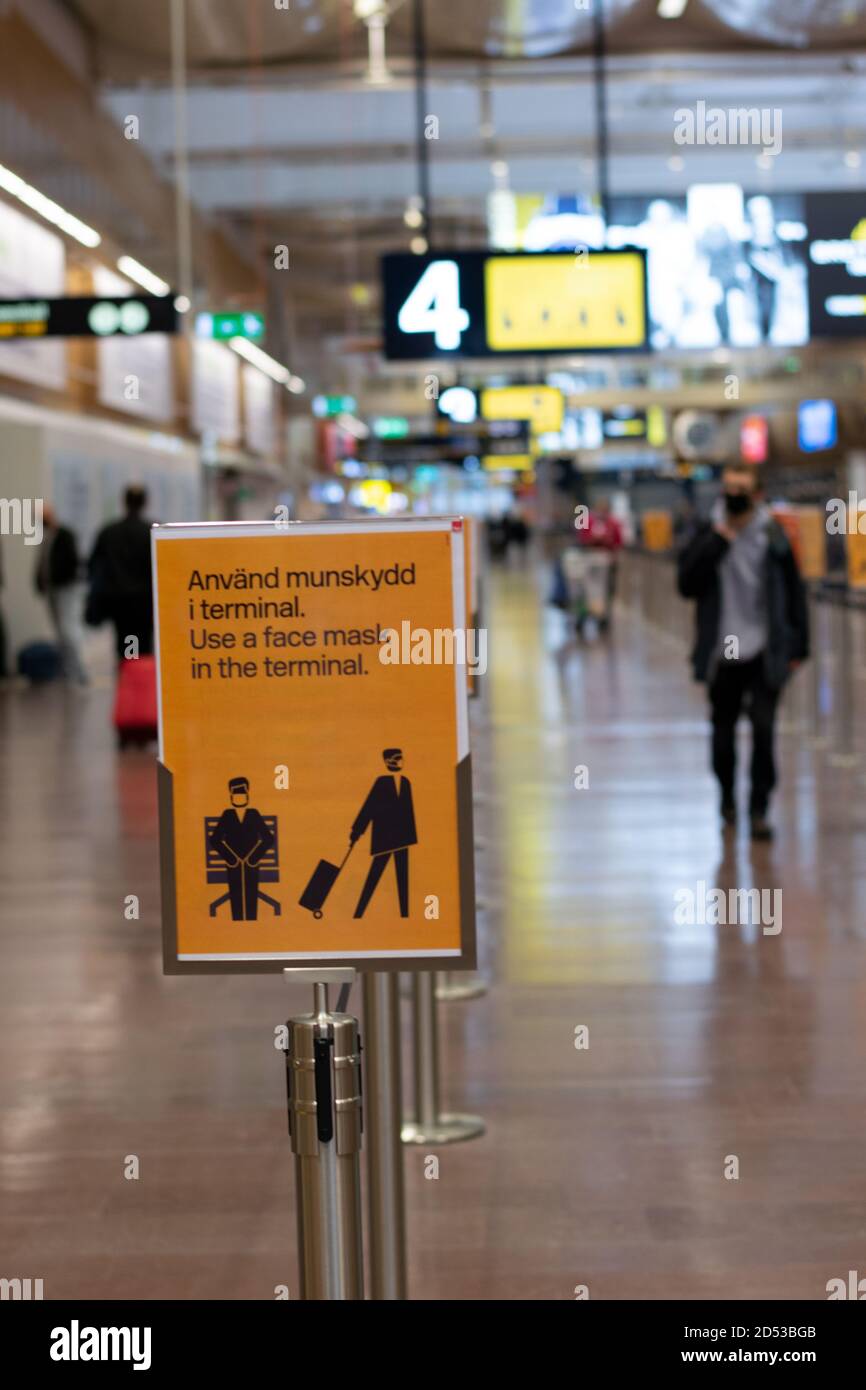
<point x="176" y="963"/>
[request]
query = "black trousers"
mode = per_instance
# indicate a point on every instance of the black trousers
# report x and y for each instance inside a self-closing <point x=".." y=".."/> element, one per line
<point x="243" y="884"/>
<point x="738" y="684"/>
<point x="133" y="618"/>
<point x="375" y="872"/>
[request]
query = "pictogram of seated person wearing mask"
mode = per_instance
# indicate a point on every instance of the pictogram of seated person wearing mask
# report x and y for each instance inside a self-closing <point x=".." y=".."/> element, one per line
<point x="242" y="851"/>
<point x="389" y="810"/>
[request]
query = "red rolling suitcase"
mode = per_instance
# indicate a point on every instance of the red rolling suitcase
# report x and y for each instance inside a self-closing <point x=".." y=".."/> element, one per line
<point x="324" y="877"/>
<point x="135" y="716"/>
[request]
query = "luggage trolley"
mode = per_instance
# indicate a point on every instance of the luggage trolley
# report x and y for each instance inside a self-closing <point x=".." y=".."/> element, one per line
<point x="587" y="577"/>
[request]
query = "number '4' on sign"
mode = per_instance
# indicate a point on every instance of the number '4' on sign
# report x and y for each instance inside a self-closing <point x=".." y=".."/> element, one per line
<point x="434" y="306"/>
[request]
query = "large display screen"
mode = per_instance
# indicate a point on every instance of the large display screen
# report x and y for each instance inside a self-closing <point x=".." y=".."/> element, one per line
<point x="488" y="304"/>
<point x="817" y="426"/>
<point x="725" y="268"/>
<point x="837" y="264"/>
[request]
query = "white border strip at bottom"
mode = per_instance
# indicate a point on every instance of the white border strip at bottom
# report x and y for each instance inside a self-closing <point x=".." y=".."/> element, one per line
<point x="327" y="955"/>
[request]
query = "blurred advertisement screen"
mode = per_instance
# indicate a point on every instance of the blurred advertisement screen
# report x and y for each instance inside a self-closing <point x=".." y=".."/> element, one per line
<point x="837" y="264"/>
<point x="724" y="268"/>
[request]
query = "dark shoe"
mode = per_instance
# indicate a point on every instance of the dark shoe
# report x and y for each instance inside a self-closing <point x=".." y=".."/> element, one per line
<point x="761" y="828"/>
<point x="729" y="813"/>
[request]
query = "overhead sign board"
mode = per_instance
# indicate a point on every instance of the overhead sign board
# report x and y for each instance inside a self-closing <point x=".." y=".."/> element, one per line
<point x="490" y="304"/>
<point x="391" y="427"/>
<point x="230" y="325"/>
<point x="87" y="316"/>
<point x="448" y="444"/>
<point x="542" y="406"/>
<point x="328" y="407"/>
<point x="315" y="783"/>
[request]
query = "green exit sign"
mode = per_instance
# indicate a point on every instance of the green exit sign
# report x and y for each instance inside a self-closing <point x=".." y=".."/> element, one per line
<point x="225" y="326"/>
<point x="391" y="427"/>
<point x="327" y="407"/>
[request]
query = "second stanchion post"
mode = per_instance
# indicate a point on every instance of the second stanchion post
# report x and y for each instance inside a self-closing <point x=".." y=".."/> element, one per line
<point x="428" y="1124"/>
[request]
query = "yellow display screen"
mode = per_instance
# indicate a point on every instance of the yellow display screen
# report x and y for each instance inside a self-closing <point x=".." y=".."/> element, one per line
<point x="542" y="406"/>
<point x="507" y="463"/>
<point x="564" y="303"/>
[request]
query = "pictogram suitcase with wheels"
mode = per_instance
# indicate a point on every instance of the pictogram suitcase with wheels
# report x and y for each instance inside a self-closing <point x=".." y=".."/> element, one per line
<point x="325" y="875"/>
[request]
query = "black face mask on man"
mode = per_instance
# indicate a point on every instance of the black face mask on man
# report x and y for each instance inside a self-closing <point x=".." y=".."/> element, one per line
<point x="737" y="503"/>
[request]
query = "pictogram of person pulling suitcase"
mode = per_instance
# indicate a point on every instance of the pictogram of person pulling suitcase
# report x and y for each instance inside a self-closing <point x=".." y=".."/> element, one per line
<point x="389" y="811"/>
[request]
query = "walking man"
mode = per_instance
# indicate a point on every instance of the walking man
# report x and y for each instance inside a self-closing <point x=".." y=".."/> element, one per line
<point x="56" y="579"/>
<point x="121" y="587"/>
<point x="752" y="631"/>
<point x="389" y="810"/>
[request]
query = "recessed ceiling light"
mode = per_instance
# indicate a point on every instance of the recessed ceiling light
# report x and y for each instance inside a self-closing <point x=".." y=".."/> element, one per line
<point x="134" y="270"/>
<point x="265" y="363"/>
<point x="676" y="163"/>
<point x="672" y="9"/>
<point x="852" y="159"/>
<point x="47" y="208"/>
<point x="418" y="245"/>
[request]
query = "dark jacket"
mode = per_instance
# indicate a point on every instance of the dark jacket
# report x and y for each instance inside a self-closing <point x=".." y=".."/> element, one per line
<point x="235" y="839"/>
<point x="61" y="567"/>
<point x="121" y="558"/>
<point x="392" y="814"/>
<point x="787" y="606"/>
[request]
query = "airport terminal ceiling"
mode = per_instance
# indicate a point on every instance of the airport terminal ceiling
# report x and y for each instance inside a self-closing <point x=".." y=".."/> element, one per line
<point x="291" y="141"/>
<point x="480" y="29"/>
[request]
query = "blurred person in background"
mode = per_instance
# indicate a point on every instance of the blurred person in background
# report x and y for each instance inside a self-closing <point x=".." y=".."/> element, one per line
<point x="56" y="579"/>
<point x="517" y="531"/>
<point x="752" y="631"/>
<point x="120" y="576"/>
<point x="498" y="536"/>
<point x="603" y="532"/>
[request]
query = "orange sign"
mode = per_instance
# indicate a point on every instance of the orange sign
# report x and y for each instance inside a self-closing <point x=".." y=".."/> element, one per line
<point x="473" y="589"/>
<point x="658" y="530"/>
<point x="813" y="542"/>
<point x="856" y="560"/>
<point x="806" y="529"/>
<point x="315" y="782"/>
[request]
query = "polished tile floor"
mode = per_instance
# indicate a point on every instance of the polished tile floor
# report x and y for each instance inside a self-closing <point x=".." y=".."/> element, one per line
<point x="602" y="1166"/>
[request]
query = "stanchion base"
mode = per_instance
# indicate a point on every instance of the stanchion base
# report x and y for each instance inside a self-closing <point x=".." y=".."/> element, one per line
<point x="450" y="991"/>
<point x="449" y="1129"/>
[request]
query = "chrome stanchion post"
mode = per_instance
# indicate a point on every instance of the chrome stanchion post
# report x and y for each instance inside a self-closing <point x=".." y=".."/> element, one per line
<point x="818" y="738"/>
<point x="323" y="1084"/>
<point x="429" y="1125"/>
<point x="385" y="1195"/>
<point x="843" y="754"/>
<point x="454" y="985"/>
